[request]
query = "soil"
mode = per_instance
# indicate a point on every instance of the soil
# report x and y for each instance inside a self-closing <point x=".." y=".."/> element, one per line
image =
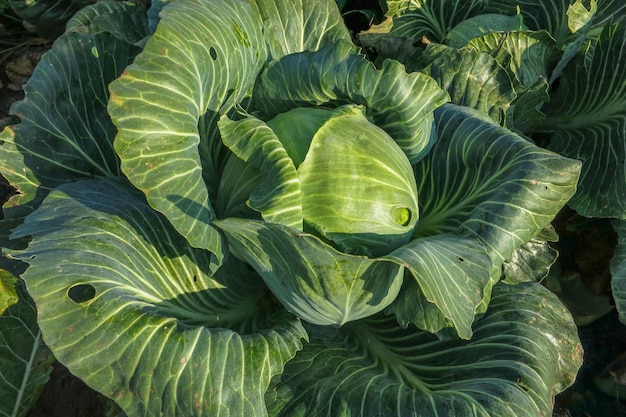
<point x="67" y="396"/>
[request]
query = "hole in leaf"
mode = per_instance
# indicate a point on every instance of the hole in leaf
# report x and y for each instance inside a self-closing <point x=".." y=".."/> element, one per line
<point x="401" y="216"/>
<point x="460" y="259"/>
<point x="213" y="53"/>
<point x="81" y="293"/>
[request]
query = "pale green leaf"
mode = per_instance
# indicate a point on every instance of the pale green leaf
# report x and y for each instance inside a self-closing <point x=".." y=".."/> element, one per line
<point x="526" y="55"/>
<point x="291" y="26"/>
<point x="579" y="16"/>
<point x="451" y="276"/>
<point x="363" y="204"/>
<point x="202" y="60"/>
<point x="277" y="196"/>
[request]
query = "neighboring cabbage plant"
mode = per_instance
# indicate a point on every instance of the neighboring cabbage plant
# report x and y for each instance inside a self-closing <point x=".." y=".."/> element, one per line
<point x="552" y="71"/>
<point x="229" y="211"/>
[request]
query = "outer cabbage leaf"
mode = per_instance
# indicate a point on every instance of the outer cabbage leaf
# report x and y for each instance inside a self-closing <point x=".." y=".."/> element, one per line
<point x="482" y="24"/>
<point x="514" y="181"/>
<point x="123" y="19"/>
<point x="451" y="276"/>
<point x="153" y="13"/>
<point x="537" y="14"/>
<point x="431" y="18"/>
<point x="65" y="133"/>
<point x="489" y="186"/>
<point x="587" y="118"/>
<point x="25" y="361"/>
<point x="562" y="18"/>
<point x="525" y="349"/>
<point x="291" y="26"/>
<point x="532" y="261"/>
<point x="278" y="196"/>
<point x="201" y="60"/>
<point x="528" y="58"/>
<point x="472" y="79"/>
<point x="127" y="306"/>
<point x="609" y="12"/>
<point x="400" y="103"/>
<point x="47" y="17"/>
<point x="310" y="278"/>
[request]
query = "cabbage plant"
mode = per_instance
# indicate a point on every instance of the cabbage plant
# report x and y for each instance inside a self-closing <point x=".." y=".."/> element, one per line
<point x="224" y="209"/>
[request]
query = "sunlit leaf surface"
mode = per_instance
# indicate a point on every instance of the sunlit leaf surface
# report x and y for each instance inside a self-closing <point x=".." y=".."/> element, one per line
<point x="127" y="306"/>
<point x="524" y="350"/>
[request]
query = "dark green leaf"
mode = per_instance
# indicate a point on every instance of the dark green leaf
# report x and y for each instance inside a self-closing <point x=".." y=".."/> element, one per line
<point x="123" y="19"/>
<point x="432" y="19"/>
<point x="47" y="17"/>
<point x="618" y="270"/>
<point x="538" y="14"/>
<point x="587" y="115"/>
<point x="482" y="24"/>
<point x="524" y="351"/>
<point x="127" y="306"/>
<point x="65" y="133"/>
<point x="25" y="361"/>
